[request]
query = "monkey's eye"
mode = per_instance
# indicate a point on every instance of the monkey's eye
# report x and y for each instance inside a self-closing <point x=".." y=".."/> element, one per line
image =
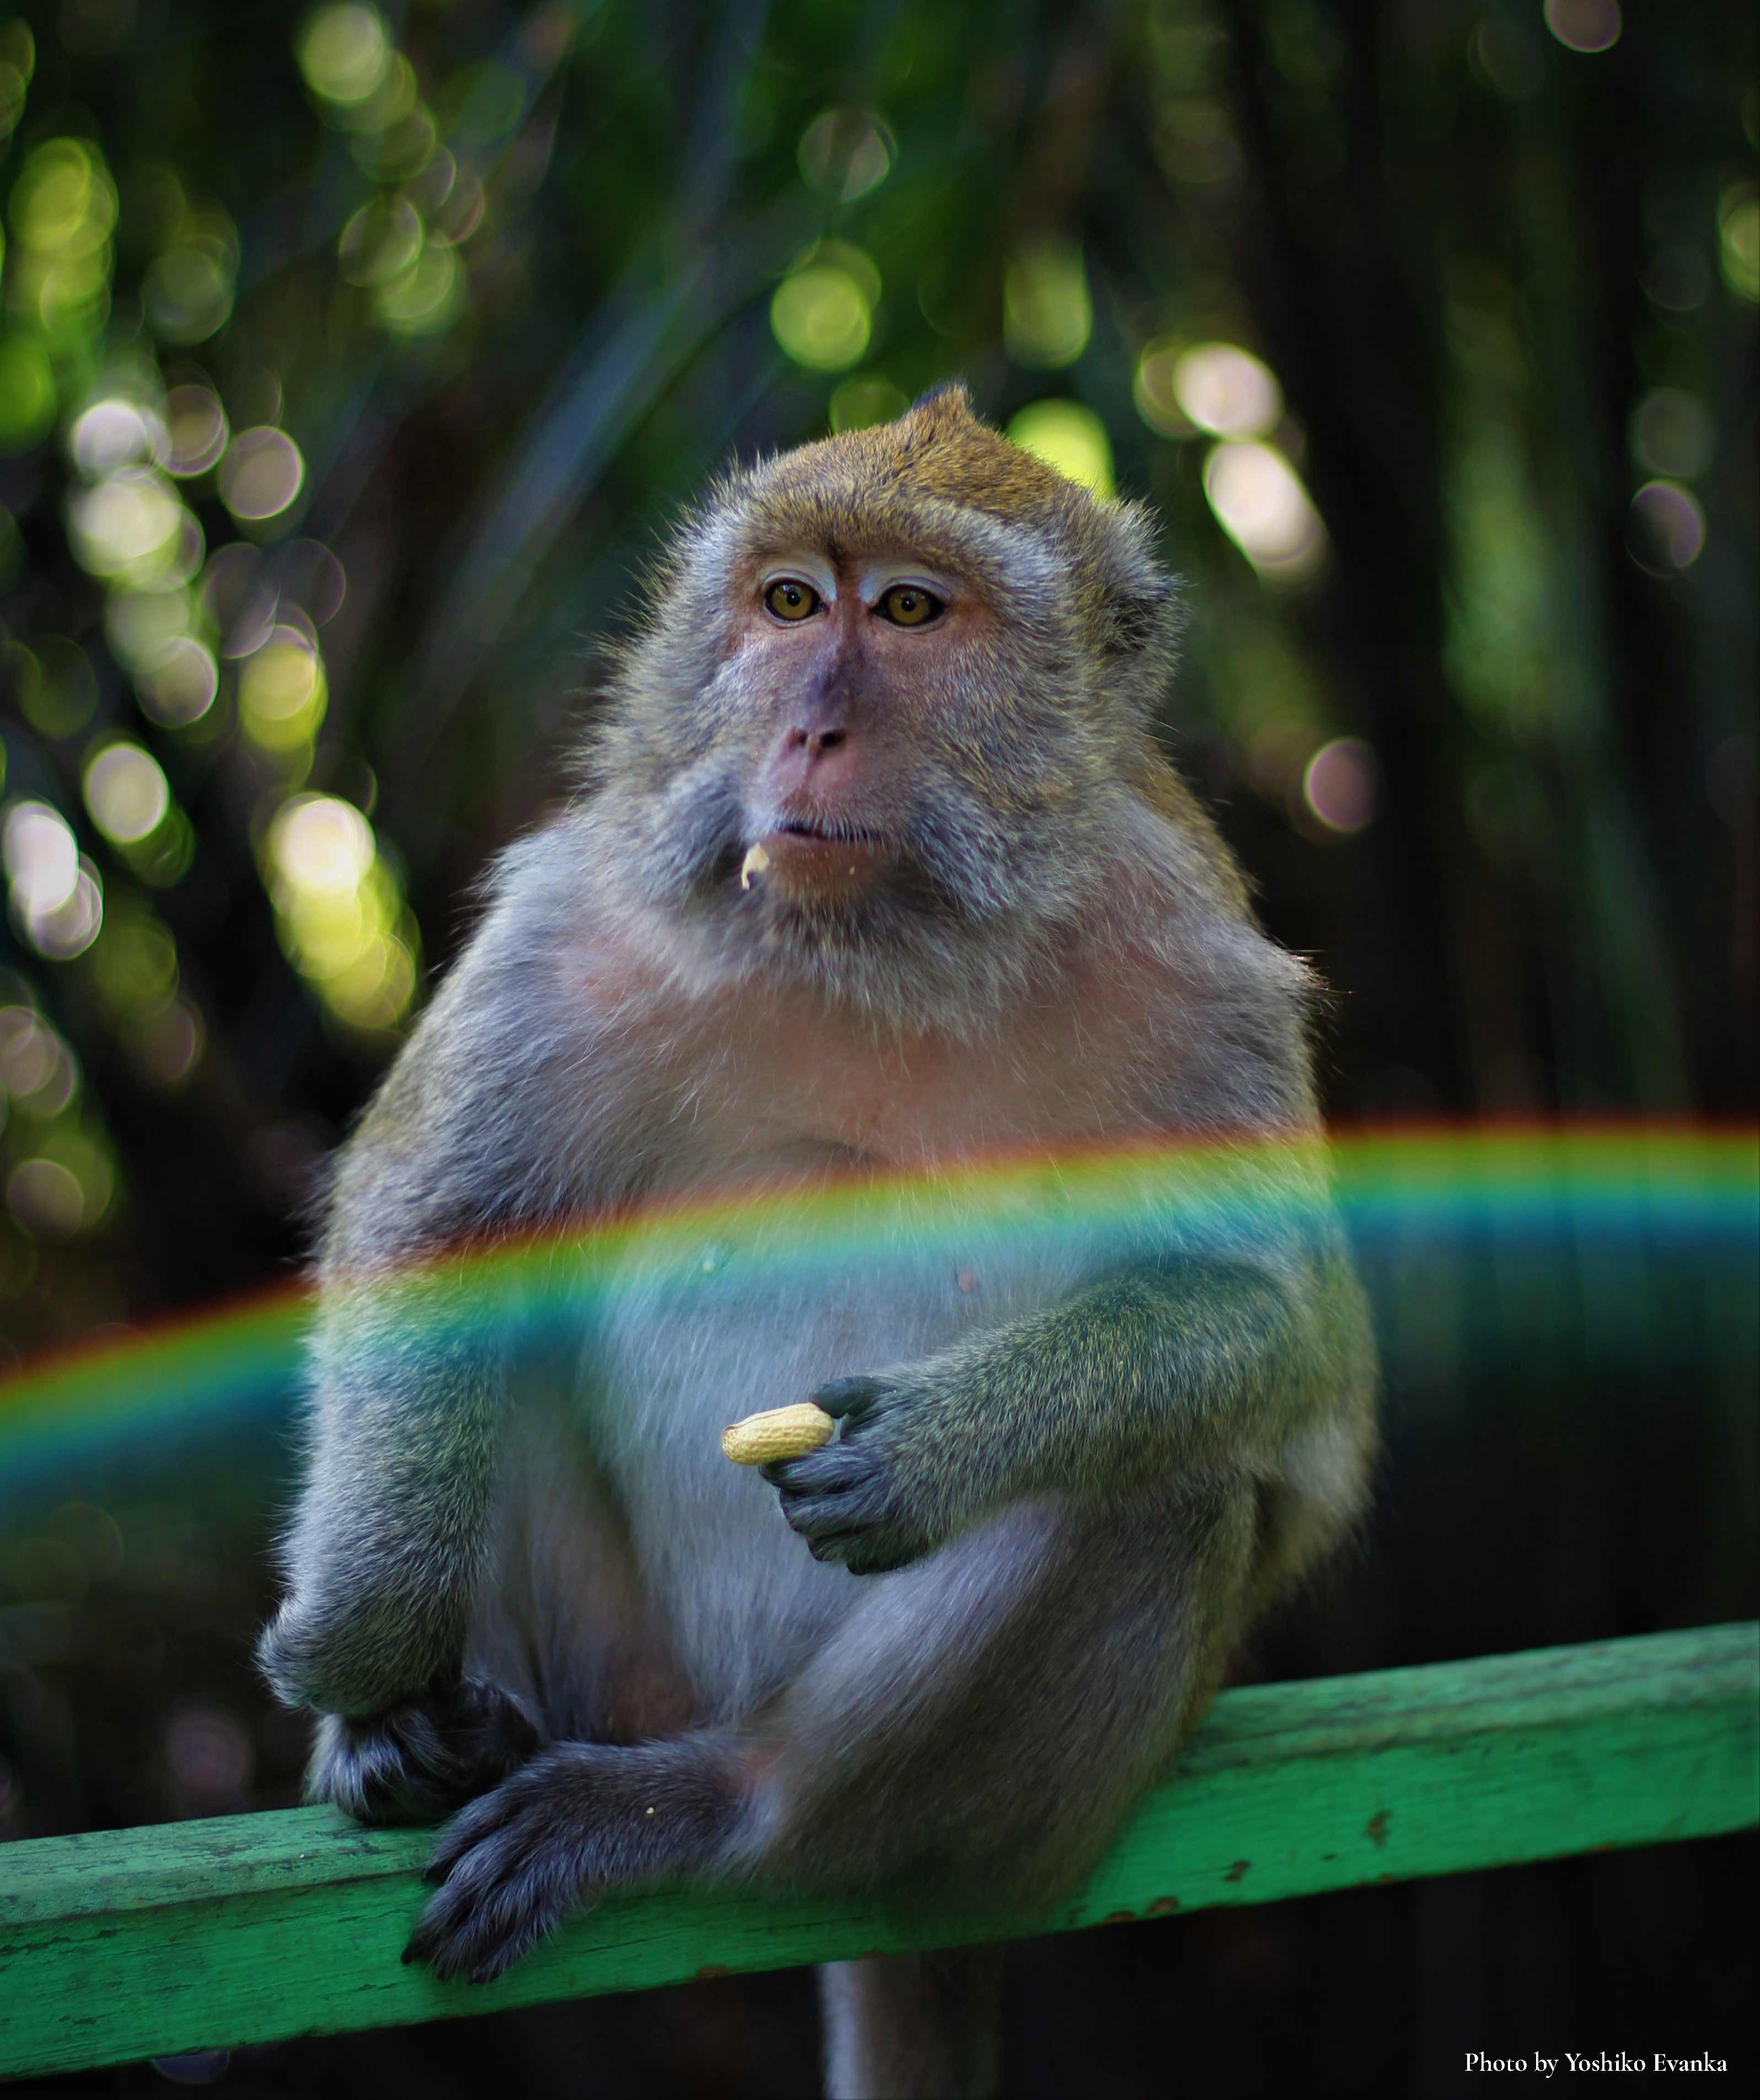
<point x="790" y="599"/>
<point x="908" y="604"/>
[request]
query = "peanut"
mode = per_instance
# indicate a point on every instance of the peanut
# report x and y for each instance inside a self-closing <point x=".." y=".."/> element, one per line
<point x="779" y="1432"/>
<point x="757" y="860"/>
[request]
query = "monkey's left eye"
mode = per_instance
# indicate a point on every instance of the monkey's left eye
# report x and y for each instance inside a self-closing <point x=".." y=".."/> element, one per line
<point x="908" y="604"/>
<point x="790" y="599"/>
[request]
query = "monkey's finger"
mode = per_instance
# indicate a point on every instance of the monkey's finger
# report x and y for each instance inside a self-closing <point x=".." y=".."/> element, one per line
<point x="821" y="1472"/>
<point x="837" y="1547"/>
<point x="825" y="1515"/>
<point x="866" y="1558"/>
<point x="487" y="1816"/>
<point x="850" y="1399"/>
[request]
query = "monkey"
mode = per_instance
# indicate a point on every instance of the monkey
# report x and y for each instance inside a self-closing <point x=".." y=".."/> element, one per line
<point x="876" y="875"/>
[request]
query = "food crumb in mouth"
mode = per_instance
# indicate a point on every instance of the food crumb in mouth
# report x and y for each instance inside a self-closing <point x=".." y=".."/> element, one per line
<point x="757" y="860"/>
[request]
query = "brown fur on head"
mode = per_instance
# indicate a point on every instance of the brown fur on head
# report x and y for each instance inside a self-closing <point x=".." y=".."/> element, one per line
<point x="978" y="766"/>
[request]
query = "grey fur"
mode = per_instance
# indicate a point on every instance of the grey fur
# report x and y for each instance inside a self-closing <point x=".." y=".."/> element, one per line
<point x="1078" y="1454"/>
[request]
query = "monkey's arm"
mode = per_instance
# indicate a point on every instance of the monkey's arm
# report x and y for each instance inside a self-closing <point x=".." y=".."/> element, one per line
<point x="382" y="1550"/>
<point x="465" y="1143"/>
<point x="1183" y="1364"/>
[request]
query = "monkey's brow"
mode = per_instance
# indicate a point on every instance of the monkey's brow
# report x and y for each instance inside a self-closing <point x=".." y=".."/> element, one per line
<point x="929" y="551"/>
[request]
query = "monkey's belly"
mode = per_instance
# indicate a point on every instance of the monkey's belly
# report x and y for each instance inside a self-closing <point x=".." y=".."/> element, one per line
<point x="689" y="1337"/>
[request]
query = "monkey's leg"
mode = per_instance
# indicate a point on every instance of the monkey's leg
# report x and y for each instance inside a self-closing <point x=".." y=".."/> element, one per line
<point x="973" y="1733"/>
<point x="562" y="1640"/>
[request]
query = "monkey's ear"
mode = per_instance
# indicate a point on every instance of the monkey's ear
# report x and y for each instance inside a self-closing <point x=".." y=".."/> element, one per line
<point x="1142" y="609"/>
<point x="949" y="401"/>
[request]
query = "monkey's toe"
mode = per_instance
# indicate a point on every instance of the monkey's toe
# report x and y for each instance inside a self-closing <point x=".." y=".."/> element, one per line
<point x="510" y="1866"/>
<point x="420" y="1759"/>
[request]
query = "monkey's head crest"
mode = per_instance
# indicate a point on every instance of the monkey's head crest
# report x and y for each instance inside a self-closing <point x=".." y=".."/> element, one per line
<point x="938" y="469"/>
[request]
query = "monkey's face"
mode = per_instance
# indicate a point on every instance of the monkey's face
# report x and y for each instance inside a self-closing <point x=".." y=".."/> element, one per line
<point x="881" y="731"/>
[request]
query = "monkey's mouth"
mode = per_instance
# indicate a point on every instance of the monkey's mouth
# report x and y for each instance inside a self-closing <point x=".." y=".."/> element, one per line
<point x="810" y="862"/>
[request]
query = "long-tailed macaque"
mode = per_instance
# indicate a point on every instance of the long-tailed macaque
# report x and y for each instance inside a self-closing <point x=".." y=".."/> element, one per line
<point x="915" y="669"/>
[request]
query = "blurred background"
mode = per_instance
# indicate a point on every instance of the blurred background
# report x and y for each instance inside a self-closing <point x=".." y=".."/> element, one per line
<point x="352" y="358"/>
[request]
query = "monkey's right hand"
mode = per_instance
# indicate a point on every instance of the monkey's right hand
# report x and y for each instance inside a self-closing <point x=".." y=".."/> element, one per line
<point x="421" y="1758"/>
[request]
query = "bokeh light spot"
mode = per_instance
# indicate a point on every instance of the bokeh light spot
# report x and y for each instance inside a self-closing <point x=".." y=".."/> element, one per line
<point x="45" y="1197"/>
<point x="1260" y="502"/>
<point x="195" y="431"/>
<point x="37" y="1069"/>
<point x="126" y="793"/>
<point x="425" y="298"/>
<point x="402" y="150"/>
<point x="343" y="52"/>
<point x="64" y="203"/>
<point x="1676" y="279"/>
<point x="281" y="692"/>
<point x="13" y="87"/>
<point x="845" y="153"/>
<point x="134" y="960"/>
<point x="261" y="474"/>
<point x="381" y="241"/>
<point x="112" y="433"/>
<point x="1664" y="529"/>
<point x="27" y="394"/>
<point x="56" y="689"/>
<point x="1047" y="315"/>
<point x="1584" y="25"/>
<point x="128" y="527"/>
<point x="40" y="856"/>
<point x="865" y="399"/>
<point x="1152" y="390"/>
<point x="141" y="625"/>
<point x="339" y="910"/>
<point x="1069" y="436"/>
<point x="1739" y="240"/>
<point x="1506" y="57"/>
<point x="1340" y="783"/>
<point x="823" y="315"/>
<point x="187" y="292"/>
<point x="1671" y="433"/>
<point x="1227" y="390"/>
<point x="69" y="929"/>
<point x="179" y="687"/>
<point x="165" y="1042"/>
<point x="320" y="843"/>
<point x="210" y="1756"/>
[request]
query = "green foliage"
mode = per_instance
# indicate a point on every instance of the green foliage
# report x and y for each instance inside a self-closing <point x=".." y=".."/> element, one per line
<point x="350" y="357"/>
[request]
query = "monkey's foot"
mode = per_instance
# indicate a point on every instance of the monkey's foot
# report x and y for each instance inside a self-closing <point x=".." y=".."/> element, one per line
<point x="423" y="1758"/>
<point x="851" y="1502"/>
<point x="580" y="1819"/>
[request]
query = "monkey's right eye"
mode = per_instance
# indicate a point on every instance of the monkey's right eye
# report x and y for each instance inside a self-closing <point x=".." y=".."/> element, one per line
<point x="791" y="599"/>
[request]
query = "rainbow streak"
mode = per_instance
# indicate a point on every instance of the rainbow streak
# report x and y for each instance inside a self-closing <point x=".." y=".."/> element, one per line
<point x="1638" y="1192"/>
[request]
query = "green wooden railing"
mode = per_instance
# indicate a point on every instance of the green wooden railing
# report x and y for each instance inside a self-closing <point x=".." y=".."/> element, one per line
<point x="246" y="1928"/>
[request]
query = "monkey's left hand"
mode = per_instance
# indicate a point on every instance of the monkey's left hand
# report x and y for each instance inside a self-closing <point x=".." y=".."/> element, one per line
<point x="879" y="1497"/>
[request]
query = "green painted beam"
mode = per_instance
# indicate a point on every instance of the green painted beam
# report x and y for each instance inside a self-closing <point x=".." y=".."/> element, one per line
<point x="252" y="1928"/>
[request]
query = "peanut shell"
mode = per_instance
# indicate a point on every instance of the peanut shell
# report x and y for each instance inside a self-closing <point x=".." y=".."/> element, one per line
<point x="779" y="1432"/>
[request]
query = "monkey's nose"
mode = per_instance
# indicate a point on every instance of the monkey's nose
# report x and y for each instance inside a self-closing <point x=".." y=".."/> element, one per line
<point x="819" y="754"/>
<point x="815" y="742"/>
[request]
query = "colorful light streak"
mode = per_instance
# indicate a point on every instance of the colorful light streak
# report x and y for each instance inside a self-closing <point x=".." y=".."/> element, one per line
<point x="1655" y="1191"/>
